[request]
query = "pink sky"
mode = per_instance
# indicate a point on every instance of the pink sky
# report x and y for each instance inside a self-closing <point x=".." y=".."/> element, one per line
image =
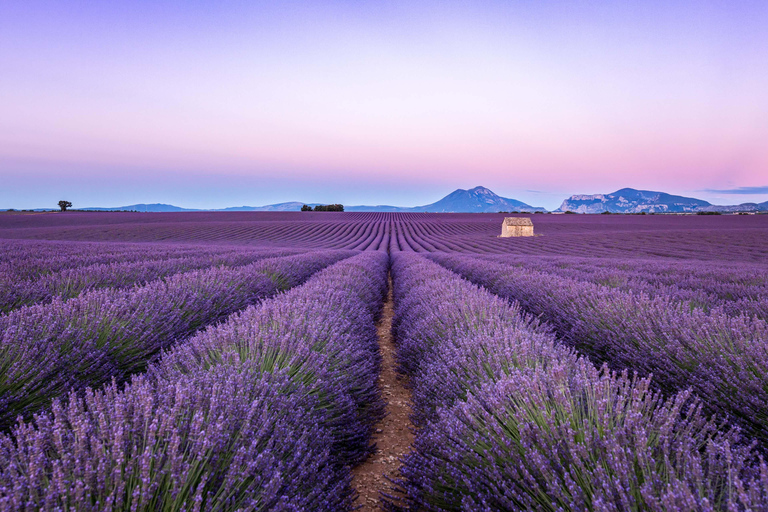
<point x="214" y="105"/>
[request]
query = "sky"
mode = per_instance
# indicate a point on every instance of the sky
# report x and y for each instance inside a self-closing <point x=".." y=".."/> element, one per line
<point x="229" y="103"/>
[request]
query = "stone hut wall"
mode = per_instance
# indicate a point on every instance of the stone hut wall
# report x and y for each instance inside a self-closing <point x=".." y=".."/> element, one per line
<point x="510" y="231"/>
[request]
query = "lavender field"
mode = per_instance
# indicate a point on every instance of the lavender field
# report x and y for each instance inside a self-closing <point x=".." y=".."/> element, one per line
<point x="234" y="361"/>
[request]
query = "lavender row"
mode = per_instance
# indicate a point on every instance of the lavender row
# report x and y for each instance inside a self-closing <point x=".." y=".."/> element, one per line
<point x="727" y="281"/>
<point x="258" y="413"/>
<point x="721" y="357"/>
<point x="25" y="252"/>
<point x="734" y="288"/>
<point x="22" y="260"/>
<point x="71" y="282"/>
<point x="104" y="334"/>
<point x="511" y="420"/>
<point x="321" y="331"/>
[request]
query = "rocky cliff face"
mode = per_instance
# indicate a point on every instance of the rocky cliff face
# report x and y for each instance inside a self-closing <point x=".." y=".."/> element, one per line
<point x="629" y="200"/>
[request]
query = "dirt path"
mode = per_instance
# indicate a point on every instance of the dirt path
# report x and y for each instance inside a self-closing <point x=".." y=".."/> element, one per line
<point x="393" y="435"/>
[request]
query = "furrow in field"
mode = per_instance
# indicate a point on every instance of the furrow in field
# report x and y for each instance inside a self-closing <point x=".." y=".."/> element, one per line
<point x="393" y="434"/>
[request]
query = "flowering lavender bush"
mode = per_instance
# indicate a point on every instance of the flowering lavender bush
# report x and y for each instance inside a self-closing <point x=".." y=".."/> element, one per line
<point x="510" y="420"/>
<point x="88" y="340"/>
<point x="223" y="439"/>
<point x="580" y="439"/>
<point x="28" y="259"/>
<point x="70" y="282"/>
<point x="737" y="288"/>
<point x="723" y="358"/>
<point x="321" y="332"/>
<point x="244" y="416"/>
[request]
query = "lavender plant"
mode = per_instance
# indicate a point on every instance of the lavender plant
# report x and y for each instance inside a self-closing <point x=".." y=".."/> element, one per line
<point x="723" y="358"/>
<point x="224" y="439"/>
<point x="511" y="420"/>
<point x="32" y="259"/>
<point x="323" y="331"/>
<point x="70" y="282"/>
<point x="88" y="340"/>
<point x="736" y="288"/>
<point x="244" y="416"/>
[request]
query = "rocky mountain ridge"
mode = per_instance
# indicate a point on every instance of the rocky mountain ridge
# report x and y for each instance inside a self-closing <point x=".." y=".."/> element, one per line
<point x="629" y="200"/>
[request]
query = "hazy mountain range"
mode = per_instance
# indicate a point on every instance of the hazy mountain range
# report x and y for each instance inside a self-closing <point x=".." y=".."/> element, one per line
<point x="476" y="200"/>
<point x="292" y="206"/>
<point x="483" y="200"/>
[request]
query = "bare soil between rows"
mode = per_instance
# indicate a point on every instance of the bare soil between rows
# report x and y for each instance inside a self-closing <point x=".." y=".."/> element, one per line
<point x="394" y="434"/>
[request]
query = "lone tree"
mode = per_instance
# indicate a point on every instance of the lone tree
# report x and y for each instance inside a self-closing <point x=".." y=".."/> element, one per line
<point x="306" y="208"/>
<point x="64" y="205"/>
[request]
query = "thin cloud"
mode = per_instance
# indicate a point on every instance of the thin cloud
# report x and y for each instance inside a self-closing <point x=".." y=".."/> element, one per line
<point x="739" y="190"/>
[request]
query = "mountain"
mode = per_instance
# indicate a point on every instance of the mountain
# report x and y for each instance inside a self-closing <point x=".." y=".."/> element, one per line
<point x="159" y="207"/>
<point x="293" y="206"/>
<point x="629" y="200"/>
<point x="476" y="200"/>
<point x="155" y="207"/>
<point x="743" y="207"/>
<point x="377" y="208"/>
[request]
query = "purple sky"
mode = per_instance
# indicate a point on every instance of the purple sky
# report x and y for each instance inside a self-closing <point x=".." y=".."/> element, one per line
<point x="214" y="104"/>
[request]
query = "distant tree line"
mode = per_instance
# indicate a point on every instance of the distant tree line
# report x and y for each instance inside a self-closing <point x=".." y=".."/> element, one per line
<point x="324" y="208"/>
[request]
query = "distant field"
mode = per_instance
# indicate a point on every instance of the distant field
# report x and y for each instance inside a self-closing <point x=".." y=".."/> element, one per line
<point x="733" y="237"/>
<point x="325" y="361"/>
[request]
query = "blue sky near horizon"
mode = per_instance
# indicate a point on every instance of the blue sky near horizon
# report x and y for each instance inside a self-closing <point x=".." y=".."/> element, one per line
<point x="215" y="104"/>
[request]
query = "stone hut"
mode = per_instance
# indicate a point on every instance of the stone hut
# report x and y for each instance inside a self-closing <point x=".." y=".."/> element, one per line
<point x="516" y="226"/>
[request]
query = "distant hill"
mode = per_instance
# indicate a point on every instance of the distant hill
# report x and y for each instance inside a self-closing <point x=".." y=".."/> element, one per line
<point x="743" y="207"/>
<point x="630" y="200"/>
<point x="293" y="206"/>
<point x="160" y="207"/>
<point x="154" y="207"/>
<point x="476" y="200"/>
<point x="377" y="208"/>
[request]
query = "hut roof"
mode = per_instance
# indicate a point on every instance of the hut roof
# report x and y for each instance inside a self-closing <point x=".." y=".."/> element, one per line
<point x="517" y="221"/>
